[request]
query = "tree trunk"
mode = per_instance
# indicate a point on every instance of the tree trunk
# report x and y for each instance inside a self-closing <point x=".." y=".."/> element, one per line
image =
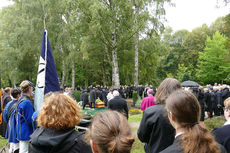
<point x="73" y="75"/>
<point x="115" y="76"/>
<point x="136" y="46"/>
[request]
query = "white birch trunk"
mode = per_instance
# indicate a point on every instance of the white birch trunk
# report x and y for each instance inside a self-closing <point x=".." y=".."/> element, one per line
<point x="115" y="76"/>
<point x="136" y="46"/>
<point x="73" y="75"/>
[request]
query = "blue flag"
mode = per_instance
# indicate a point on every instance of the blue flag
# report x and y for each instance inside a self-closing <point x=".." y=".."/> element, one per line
<point x="47" y="78"/>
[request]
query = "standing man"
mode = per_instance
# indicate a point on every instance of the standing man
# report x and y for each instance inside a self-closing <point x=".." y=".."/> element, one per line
<point x="119" y="104"/>
<point x="24" y="114"/>
<point x="10" y="118"/>
<point x="148" y="101"/>
<point x="84" y="98"/>
<point x="92" y="98"/>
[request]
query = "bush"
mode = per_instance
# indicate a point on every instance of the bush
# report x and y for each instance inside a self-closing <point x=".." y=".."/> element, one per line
<point x="135" y="97"/>
<point x="78" y="95"/>
<point x="214" y="122"/>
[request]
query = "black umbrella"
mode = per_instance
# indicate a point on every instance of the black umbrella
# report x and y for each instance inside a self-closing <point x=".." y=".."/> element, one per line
<point x="189" y="84"/>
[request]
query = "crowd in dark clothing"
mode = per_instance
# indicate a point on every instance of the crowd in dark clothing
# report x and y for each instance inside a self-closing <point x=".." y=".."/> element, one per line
<point x="91" y="94"/>
<point x="211" y="99"/>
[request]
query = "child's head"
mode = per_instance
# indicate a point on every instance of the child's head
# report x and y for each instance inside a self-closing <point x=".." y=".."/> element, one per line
<point x="110" y="133"/>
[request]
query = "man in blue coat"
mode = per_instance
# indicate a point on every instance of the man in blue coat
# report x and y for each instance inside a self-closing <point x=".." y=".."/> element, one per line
<point x="10" y="119"/>
<point x="24" y="116"/>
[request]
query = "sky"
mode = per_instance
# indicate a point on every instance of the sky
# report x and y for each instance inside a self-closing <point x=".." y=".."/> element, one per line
<point x="187" y="14"/>
<point x="190" y="14"/>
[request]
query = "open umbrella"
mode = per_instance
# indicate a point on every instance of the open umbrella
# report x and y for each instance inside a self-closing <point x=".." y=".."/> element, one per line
<point x="189" y="84"/>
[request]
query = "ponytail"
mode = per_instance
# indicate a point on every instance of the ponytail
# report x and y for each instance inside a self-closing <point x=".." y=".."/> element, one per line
<point x="111" y="133"/>
<point x="186" y="110"/>
<point x="197" y="139"/>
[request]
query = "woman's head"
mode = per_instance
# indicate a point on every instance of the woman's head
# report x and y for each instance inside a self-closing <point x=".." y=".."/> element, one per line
<point x="165" y="89"/>
<point x="59" y="112"/>
<point x="227" y="109"/>
<point x="184" y="114"/>
<point x="184" y="108"/>
<point x="150" y="92"/>
<point x="110" y="133"/>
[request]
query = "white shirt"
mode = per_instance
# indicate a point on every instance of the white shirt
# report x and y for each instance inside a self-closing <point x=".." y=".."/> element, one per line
<point x="227" y="123"/>
<point x="178" y="134"/>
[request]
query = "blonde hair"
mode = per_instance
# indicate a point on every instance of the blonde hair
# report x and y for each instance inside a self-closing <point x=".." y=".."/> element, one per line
<point x="25" y="86"/>
<point x="59" y="112"/>
<point x="227" y="103"/>
<point x="166" y="87"/>
<point x="111" y="132"/>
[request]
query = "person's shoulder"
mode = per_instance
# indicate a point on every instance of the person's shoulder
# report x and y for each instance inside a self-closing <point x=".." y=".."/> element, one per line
<point x="222" y="130"/>
<point x="8" y="104"/>
<point x="155" y="108"/>
<point x="80" y="143"/>
<point x="174" y="148"/>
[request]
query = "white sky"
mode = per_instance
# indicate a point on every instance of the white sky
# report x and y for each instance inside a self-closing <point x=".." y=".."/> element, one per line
<point x="4" y="3"/>
<point x="187" y="14"/>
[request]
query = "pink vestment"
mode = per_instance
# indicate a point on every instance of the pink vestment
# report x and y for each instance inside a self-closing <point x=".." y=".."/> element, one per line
<point x="147" y="102"/>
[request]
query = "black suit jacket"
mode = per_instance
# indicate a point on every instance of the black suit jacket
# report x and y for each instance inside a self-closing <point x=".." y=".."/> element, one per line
<point x="119" y="104"/>
<point x="222" y="136"/>
<point x="155" y="129"/>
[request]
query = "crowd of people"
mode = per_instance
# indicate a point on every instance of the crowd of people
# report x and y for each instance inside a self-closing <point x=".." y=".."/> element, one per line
<point x="171" y="122"/>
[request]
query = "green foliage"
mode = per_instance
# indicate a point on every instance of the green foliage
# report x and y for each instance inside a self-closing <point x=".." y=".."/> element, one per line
<point x="213" y="64"/>
<point x="214" y="122"/>
<point x="183" y="73"/>
<point x="135" y="97"/>
<point x="81" y="34"/>
<point x="77" y="94"/>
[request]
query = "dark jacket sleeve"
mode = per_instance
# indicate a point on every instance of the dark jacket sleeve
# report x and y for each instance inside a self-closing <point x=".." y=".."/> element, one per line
<point x="126" y="110"/>
<point x="146" y="125"/>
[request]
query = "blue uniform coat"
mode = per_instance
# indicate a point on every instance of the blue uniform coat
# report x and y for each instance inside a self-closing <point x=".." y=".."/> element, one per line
<point x="24" y="120"/>
<point x="11" y="123"/>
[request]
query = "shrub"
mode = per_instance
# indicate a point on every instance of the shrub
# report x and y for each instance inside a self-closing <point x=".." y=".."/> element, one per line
<point x="214" y="122"/>
<point x="78" y="95"/>
<point x="135" y="97"/>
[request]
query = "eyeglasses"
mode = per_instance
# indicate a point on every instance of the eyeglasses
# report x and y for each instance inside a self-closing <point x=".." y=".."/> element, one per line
<point x="226" y="108"/>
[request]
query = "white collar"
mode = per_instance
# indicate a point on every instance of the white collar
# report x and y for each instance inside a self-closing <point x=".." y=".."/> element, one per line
<point x="227" y="123"/>
<point x="178" y="134"/>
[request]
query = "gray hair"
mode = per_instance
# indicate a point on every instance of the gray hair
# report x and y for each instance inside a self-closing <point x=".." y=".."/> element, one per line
<point x="116" y="93"/>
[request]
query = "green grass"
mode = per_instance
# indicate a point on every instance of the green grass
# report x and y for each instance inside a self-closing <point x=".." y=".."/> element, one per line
<point x="135" y="118"/>
<point x="3" y="141"/>
<point x="214" y="122"/>
<point x="138" y="147"/>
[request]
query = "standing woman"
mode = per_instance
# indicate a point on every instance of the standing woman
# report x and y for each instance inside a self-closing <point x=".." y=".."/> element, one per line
<point x="56" y="121"/>
<point x="191" y="137"/>
<point x="155" y="129"/>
